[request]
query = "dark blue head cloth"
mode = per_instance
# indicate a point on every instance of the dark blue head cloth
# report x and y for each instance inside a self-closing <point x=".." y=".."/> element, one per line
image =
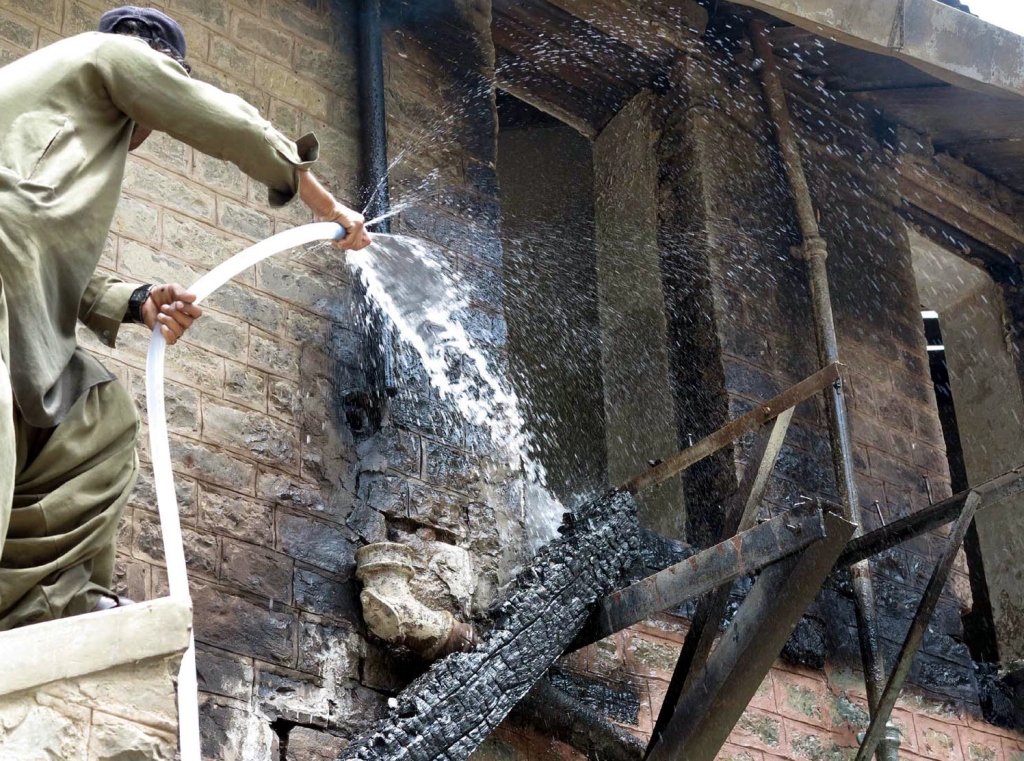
<point x="162" y="26"/>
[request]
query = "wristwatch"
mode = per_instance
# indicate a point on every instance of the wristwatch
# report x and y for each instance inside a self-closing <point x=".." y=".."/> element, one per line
<point x="135" y="302"/>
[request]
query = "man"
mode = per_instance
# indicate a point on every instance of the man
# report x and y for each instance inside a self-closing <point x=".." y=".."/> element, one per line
<point x="69" y="114"/>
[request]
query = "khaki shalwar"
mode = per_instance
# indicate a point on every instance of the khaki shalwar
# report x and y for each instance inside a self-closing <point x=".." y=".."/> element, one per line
<point x="67" y="429"/>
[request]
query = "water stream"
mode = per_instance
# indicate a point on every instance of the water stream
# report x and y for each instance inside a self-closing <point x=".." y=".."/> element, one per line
<point x="412" y="283"/>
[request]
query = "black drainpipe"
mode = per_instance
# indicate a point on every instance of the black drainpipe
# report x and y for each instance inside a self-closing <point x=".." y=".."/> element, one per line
<point x="373" y="115"/>
<point x="377" y="198"/>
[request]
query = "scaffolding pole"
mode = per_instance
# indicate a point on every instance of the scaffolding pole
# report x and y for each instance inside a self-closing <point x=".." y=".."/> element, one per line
<point x="814" y="252"/>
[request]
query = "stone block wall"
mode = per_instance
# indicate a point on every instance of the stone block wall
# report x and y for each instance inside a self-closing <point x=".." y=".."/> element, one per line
<point x="276" y="489"/>
<point x="97" y="687"/>
<point x="124" y="712"/>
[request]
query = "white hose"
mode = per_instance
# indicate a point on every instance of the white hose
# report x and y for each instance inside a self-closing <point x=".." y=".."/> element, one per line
<point x="167" y="502"/>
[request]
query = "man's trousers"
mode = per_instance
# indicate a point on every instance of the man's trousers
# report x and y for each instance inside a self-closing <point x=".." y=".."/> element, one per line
<point x="62" y="492"/>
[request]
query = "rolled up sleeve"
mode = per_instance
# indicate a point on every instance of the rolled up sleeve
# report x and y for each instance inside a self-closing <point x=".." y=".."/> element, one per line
<point x="154" y="90"/>
<point x="103" y="306"/>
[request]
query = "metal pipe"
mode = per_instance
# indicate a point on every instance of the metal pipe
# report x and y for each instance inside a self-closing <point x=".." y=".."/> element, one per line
<point x="814" y="251"/>
<point x="373" y="114"/>
<point x="373" y="117"/>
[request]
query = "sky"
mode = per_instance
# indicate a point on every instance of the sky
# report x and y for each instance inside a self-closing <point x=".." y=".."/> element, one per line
<point x="1008" y="14"/>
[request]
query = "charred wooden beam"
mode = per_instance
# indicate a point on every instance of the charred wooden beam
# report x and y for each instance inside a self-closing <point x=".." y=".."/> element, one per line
<point x="918" y="180"/>
<point x="745" y="553"/>
<point x="446" y="713"/>
<point x="571" y="63"/>
<point x="659" y="30"/>
<point x="704" y="716"/>
<point x="549" y="94"/>
<point x="584" y="43"/>
<point x="556" y="714"/>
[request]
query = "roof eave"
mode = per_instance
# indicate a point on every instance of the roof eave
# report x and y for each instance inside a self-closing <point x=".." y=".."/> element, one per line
<point x="947" y="43"/>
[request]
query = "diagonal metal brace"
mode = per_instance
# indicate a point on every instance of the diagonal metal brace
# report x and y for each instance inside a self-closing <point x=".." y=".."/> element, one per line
<point x="739" y="516"/>
<point x="918" y="627"/>
<point x="705" y="714"/>
<point x="994" y="490"/>
<point x="745" y="553"/>
<point x="734" y="429"/>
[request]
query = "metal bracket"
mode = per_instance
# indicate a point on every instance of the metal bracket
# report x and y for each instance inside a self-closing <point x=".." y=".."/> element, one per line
<point x="700" y="722"/>
<point x="715" y="567"/>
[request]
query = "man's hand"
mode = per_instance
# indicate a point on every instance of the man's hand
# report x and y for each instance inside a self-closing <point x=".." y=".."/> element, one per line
<point x="353" y="222"/>
<point x="327" y="209"/>
<point x="172" y="307"/>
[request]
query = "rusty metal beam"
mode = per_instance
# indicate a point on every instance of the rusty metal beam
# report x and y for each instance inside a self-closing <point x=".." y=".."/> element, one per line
<point x="739" y="516"/>
<point x="703" y="718"/>
<point x="731" y="431"/>
<point x="1007" y="485"/>
<point x="918" y="627"/>
<point x="744" y="553"/>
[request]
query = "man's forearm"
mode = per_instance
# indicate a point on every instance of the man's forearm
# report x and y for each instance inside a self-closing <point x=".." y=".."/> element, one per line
<point x="316" y="196"/>
<point x="326" y="207"/>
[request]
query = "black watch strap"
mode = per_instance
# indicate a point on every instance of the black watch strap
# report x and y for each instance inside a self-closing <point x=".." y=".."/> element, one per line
<point x="135" y="302"/>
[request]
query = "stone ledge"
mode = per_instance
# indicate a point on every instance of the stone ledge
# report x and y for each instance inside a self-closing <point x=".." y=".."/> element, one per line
<point x="954" y="46"/>
<point x="73" y="647"/>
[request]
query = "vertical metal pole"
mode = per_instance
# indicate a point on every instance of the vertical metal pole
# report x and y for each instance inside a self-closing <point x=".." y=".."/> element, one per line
<point x="814" y="251"/>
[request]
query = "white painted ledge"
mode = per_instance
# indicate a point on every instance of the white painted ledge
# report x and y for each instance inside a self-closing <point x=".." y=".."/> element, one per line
<point x="947" y="43"/>
<point x="73" y="647"/>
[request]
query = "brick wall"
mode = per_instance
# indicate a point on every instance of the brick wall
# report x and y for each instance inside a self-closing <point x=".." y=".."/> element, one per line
<point x="274" y="486"/>
<point x="798" y="713"/>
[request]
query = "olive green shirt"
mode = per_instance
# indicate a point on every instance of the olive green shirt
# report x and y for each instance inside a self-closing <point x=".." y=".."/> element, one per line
<point x="66" y="117"/>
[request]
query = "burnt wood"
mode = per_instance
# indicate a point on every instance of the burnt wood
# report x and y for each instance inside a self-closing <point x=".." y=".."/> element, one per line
<point x="446" y="713"/>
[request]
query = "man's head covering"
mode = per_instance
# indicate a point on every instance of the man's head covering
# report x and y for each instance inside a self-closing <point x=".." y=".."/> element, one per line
<point x="161" y="26"/>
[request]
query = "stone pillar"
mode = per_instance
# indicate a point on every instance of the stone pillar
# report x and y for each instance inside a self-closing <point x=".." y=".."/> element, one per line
<point x="989" y="405"/>
<point x="546" y="175"/>
<point x="640" y="411"/>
